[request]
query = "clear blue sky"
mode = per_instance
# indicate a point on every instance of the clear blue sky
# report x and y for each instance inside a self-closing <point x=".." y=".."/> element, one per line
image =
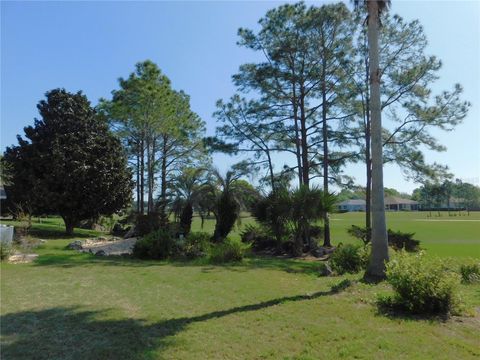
<point x="88" y="45"/>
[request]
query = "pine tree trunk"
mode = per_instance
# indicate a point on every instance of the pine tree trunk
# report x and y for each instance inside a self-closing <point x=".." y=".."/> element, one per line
<point x="376" y="267"/>
<point x="163" y="189"/>
<point x="138" y="180"/>
<point x="270" y="169"/>
<point x="297" y="136"/>
<point x="142" y="175"/>
<point x="326" y="220"/>
<point x="304" y="144"/>
<point x="149" y="175"/>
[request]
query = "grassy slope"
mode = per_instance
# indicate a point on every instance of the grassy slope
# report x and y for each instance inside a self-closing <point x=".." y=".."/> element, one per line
<point x="75" y="306"/>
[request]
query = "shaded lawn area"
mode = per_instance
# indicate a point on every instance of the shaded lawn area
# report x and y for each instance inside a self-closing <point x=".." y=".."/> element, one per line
<point x="68" y="305"/>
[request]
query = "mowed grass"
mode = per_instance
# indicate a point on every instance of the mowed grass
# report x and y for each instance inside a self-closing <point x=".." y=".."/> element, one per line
<point x="444" y="235"/>
<point x="68" y="305"/>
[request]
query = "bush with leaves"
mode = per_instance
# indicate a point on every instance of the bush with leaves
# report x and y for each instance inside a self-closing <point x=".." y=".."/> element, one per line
<point x="229" y="250"/>
<point x="158" y="244"/>
<point x="421" y="286"/>
<point x="398" y="240"/>
<point x="401" y="240"/>
<point x="260" y="237"/>
<point x="195" y="245"/>
<point x="470" y="273"/>
<point x="145" y="224"/>
<point x="349" y="258"/>
<point x="6" y="249"/>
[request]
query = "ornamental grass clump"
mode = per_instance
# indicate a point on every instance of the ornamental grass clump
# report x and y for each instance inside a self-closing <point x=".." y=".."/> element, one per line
<point x="470" y="273"/>
<point x="421" y="286"/>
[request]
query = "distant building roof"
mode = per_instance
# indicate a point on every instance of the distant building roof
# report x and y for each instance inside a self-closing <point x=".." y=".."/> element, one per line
<point x="353" y="202"/>
<point x="395" y="200"/>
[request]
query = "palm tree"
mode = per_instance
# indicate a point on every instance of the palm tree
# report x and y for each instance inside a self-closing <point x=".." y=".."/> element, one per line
<point x="308" y="206"/>
<point x="188" y="187"/>
<point x="228" y="202"/>
<point x="376" y="266"/>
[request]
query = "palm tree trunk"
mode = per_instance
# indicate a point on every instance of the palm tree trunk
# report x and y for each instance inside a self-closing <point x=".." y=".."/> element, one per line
<point x="368" y="157"/>
<point x="376" y="267"/>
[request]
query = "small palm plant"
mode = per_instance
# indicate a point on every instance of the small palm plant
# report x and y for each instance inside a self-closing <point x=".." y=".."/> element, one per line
<point x="229" y="199"/>
<point x="290" y="214"/>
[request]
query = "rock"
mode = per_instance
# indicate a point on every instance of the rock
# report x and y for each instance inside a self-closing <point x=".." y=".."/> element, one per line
<point x="130" y="233"/>
<point x="100" y="253"/>
<point x="22" y="258"/>
<point x="326" y="270"/>
<point x="329" y="250"/>
<point x="75" y="245"/>
<point x="101" y="238"/>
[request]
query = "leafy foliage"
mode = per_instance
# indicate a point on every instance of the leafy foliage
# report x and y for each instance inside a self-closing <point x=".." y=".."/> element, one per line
<point x="145" y="224"/>
<point x="159" y="244"/>
<point x="401" y="240"/>
<point x="421" y="286"/>
<point x="259" y="237"/>
<point x="195" y="245"/>
<point x="229" y="250"/>
<point x="289" y="215"/>
<point x="349" y="258"/>
<point x="71" y="164"/>
<point x="398" y="240"/>
<point x="6" y="249"/>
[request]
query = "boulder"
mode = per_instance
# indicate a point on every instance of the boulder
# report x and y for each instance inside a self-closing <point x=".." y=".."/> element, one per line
<point x="75" y="245"/>
<point x="326" y="270"/>
<point x="130" y="233"/>
<point x="100" y="253"/>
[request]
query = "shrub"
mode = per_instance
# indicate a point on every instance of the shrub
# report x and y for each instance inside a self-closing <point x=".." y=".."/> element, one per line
<point x="259" y="237"/>
<point x="421" y="286"/>
<point x="359" y="233"/>
<point x="470" y="273"/>
<point x="399" y="240"/>
<point x="196" y="244"/>
<point x="228" y="250"/>
<point x="145" y="224"/>
<point x="349" y="259"/>
<point x="159" y="244"/>
<point x="396" y="239"/>
<point x="6" y="250"/>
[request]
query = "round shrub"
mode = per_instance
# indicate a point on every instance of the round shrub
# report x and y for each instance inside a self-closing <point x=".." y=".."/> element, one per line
<point x="195" y="245"/>
<point x="422" y="286"/>
<point x="158" y="244"/>
<point x="349" y="258"/>
<point x="229" y="250"/>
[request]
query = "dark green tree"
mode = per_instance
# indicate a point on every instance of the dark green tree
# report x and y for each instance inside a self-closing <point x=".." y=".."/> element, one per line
<point x="70" y="163"/>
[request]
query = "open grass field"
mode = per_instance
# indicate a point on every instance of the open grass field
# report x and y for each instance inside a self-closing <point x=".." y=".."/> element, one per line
<point x="68" y="305"/>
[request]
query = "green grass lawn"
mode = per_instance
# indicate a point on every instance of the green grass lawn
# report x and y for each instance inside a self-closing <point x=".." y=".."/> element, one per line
<point x="68" y="305"/>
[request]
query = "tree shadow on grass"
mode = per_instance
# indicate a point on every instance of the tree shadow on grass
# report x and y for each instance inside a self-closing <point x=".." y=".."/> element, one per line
<point x="70" y="258"/>
<point x="73" y="333"/>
